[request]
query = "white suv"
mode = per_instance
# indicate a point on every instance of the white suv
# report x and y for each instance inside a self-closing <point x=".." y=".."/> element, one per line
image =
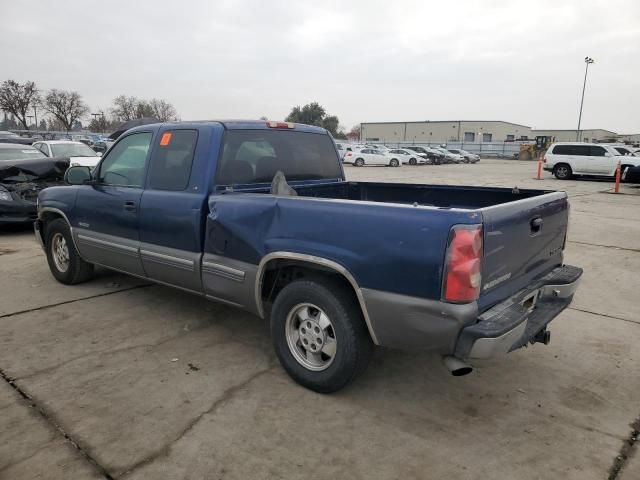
<point x="568" y="159"/>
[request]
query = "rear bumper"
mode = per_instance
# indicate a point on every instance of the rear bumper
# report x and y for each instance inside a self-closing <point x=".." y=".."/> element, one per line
<point x="515" y="322"/>
<point x="412" y="323"/>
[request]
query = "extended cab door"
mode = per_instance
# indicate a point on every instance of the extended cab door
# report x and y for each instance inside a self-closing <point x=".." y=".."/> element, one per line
<point x="107" y="211"/>
<point x="171" y="218"/>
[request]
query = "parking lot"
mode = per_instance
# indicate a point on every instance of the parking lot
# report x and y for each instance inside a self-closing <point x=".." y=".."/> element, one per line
<point x="118" y="378"/>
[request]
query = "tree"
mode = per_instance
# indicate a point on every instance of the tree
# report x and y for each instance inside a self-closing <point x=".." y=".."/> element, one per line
<point x="314" y="114"/>
<point x="43" y="125"/>
<point x="66" y="106"/>
<point x="124" y="108"/>
<point x="128" y="108"/>
<point x="17" y="98"/>
<point x="163" y="111"/>
<point x="354" y="133"/>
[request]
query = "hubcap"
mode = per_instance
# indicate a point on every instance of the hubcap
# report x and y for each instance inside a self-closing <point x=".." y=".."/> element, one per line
<point x="310" y="337"/>
<point x="60" y="252"/>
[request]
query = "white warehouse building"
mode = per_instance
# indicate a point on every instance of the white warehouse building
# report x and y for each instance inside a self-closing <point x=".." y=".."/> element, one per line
<point x="479" y="131"/>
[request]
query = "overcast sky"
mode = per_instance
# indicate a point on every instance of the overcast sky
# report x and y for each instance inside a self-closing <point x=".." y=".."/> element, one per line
<point x="364" y="61"/>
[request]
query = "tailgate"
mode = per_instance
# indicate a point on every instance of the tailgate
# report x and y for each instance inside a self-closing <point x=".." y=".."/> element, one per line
<point x="522" y="240"/>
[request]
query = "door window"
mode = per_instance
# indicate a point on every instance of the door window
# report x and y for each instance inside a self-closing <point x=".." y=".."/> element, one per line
<point x="597" y="151"/>
<point x="125" y="162"/>
<point x="172" y="160"/>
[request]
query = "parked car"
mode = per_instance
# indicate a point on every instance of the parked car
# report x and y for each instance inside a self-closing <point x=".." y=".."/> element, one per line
<point x="409" y="157"/>
<point x="24" y="172"/>
<point x="10" y="137"/>
<point x="78" y="152"/>
<point x="467" y="157"/>
<point x="372" y="156"/>
<point x="259" y="215"/>
<point x="449" y="157"/>
<point x="632" y="175"/>
<point x="102" y="146"/>
<point x="624" y="150"/>
<point x="567" y="159"/>
<point x="435" y="157"/>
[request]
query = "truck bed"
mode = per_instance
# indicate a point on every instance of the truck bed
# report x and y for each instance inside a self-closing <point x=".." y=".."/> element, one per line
<point x="441" y="196"/>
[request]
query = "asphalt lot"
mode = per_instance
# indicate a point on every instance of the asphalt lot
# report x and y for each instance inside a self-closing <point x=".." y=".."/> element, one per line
<point x="124" y="379"/>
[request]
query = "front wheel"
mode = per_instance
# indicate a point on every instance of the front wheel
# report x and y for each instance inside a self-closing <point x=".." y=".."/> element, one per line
<point x="359" y="162"/>
<point x="64" y="261"/>
<point x="394" y="162"/>
<point x="319" y="334"/>
<point x="413" y="161"/>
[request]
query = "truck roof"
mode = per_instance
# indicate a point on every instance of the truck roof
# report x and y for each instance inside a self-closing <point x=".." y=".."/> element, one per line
<point x="238" y="125"/>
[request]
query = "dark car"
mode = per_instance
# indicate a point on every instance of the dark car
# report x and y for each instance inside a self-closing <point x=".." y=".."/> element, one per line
<point x="632" y="175"/>
<point x="102" y="146"/>
<point x="10" y="137"/>
<point x="24" y="172"/>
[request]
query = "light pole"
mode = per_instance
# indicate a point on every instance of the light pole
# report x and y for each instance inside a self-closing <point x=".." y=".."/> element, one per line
<point x="588" y="61"/>
<point x="30" y="122"/>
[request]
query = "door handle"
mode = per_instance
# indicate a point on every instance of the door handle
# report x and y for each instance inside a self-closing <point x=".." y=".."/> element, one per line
<point x="130" y="206"/>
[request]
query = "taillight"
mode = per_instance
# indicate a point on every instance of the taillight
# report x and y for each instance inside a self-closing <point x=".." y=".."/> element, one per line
<point x="544" y="159"/>
<point x="272" y="124"/>
<point x="462" y="266"/>
<point x="349" y="154"/>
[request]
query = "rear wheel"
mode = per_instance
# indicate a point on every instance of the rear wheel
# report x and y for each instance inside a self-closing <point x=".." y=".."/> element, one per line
<point x="562" y="171"/>
<point x="63" y="258"/>
<point x="394" y="162"/>
<point x="413" y="161"/>
<point x="319" y="334"/>
<point x="359" y="162"/>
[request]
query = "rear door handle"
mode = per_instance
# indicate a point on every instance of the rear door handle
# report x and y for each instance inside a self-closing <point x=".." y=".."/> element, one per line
<point x="130" y="206"/>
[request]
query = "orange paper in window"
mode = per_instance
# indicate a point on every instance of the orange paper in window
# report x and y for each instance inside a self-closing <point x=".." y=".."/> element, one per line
<point x="166" y="138"/>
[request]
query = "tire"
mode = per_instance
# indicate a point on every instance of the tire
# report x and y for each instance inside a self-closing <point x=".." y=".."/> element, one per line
<point x="623" y="171"/>
<point x="359" y="162"/>
<point x="413" y="161"/>
<point x="562" y="171"/>
<point x="64" y="261"/>
<point x="394" y="162"/>
<point x="311" y="300"/>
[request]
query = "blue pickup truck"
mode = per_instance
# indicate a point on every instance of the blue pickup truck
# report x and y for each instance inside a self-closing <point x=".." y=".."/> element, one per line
<point x="259" y="215"/>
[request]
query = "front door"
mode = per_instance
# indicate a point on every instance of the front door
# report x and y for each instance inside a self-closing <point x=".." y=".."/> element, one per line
<point x="108" y="210"/>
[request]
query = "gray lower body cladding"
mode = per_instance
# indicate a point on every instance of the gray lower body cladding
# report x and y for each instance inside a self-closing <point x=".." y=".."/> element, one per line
<point x="459" y="329"/>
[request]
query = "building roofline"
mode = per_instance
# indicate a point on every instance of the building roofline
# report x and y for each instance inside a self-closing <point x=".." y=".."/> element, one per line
<point x="445" y="121"/>
<point x="571" y="130"/>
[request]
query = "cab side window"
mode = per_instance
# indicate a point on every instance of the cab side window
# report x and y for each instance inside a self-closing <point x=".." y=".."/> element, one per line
<point x="125" y="163"/>
<point x="172" y="160"/>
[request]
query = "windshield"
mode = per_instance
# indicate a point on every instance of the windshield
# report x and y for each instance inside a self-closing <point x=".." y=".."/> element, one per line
<point x="254" y="156"/>
<point x="72" y="150"/>
<point x="22" y="153"/>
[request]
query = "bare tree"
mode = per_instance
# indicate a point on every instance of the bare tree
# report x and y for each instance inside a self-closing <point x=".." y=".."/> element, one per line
<point x="162" y="110"/>
<point x="124" y="108"/>
<point x="17" y="98"/>
<point x="65" y="106"/>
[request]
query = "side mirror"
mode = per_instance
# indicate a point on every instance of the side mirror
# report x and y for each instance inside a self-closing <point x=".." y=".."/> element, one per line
<point x="77" y="175"/>
<point x="99" y="154"/>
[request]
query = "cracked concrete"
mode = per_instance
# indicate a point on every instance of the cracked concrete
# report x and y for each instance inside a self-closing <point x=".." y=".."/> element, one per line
<point x="109" y="364"/>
